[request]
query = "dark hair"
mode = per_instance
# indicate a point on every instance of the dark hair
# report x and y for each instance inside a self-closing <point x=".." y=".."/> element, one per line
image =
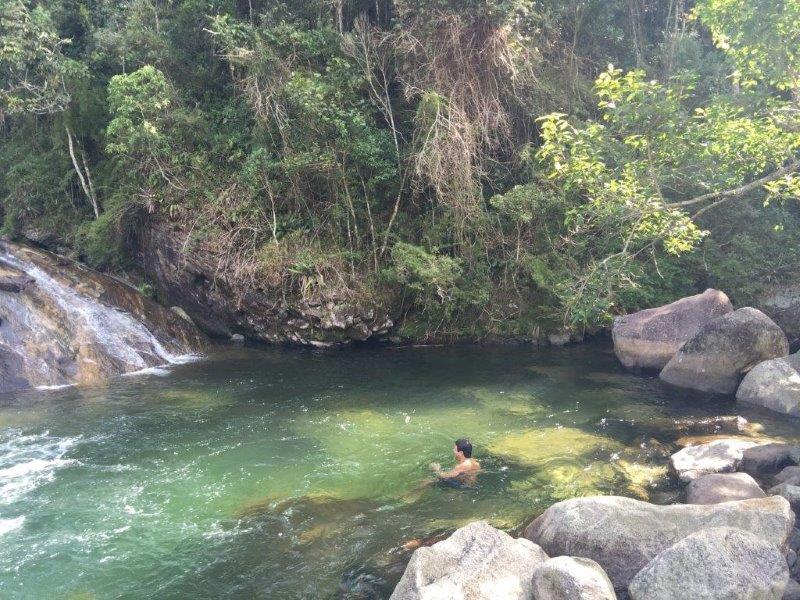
<point x="465" y="446"/>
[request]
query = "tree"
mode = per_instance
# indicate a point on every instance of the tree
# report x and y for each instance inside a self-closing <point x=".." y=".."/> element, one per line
<point x="650" y="168"/>
<point x="32" y="67"/>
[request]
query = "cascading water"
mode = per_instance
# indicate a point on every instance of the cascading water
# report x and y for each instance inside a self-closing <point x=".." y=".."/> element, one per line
<point x="117" y="332"/>
<point x="54" y="331"/>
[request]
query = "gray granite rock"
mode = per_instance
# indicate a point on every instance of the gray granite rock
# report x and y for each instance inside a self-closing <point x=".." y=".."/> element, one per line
<point x="720" y="563"/>
<point x="773" y="384"/>
<point x="623" y="534"/>
<point x="718" y="456"/>
<point x="722" y="487"/>
<point x="648" y="339"/>
<point x="723" y="350"/>
<point x="477" y="562"/>
<point x="568" y="578"/>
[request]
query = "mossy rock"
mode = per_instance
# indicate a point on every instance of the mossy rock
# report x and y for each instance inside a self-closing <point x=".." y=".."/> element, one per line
<point x="537" y="447"/>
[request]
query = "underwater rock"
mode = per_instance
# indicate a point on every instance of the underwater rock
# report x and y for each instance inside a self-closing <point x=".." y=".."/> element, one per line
<point x="536" y="447"/>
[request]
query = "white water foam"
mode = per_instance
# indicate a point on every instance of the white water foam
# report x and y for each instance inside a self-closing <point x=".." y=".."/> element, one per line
<point x="8" y="525"/>
<point x="29" y="461"/>
<point x="54" y="387"/>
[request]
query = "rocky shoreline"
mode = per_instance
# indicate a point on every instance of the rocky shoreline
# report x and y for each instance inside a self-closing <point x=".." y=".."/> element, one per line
<point x="733" y="538"/>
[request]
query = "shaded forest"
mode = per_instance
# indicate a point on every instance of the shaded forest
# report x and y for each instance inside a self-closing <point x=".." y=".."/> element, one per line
<point x="495" y="168"/>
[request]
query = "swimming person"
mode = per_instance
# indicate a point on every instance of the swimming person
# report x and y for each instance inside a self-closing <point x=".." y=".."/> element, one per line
<point x="466" y="468"/>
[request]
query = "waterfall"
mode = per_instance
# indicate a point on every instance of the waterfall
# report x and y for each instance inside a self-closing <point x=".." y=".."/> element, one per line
<point x="61" y="334"/>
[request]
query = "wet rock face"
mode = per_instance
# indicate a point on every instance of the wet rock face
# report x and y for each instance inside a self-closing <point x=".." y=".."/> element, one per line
<point x="723" y="350"/>
<point x="623" y="535"/>
<point x="187" y="279"/>
<point x="648" y="339"/>
<point x="716" y="563"/>
<point x="477" y="562"/>
<point x="62" y="324"/>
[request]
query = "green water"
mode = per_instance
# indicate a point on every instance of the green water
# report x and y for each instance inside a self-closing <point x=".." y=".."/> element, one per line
<point x="278" y="474"/>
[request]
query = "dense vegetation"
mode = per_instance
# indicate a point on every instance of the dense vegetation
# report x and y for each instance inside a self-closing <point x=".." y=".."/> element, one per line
<point x="476" y="167"/>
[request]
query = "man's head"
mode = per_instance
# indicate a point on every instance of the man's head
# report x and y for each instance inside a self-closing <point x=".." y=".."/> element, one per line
<point x="463" y="449"/>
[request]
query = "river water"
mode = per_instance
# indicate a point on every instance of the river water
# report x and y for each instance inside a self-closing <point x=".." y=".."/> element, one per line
<point x="298" y="474"/>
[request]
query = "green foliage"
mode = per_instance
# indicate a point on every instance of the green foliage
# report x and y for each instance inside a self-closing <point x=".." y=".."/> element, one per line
<point x="137" y="102"/>
<point x="32" y="67"/>
<point x="465" y="164"/>
<point x="638" y="168"/>
<point x="762" y="37"/>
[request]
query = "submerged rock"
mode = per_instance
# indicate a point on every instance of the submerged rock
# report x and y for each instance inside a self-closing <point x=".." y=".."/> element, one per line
<point x="722" y="350"/>
<point x="623" y="534"/>
<point x="568" y="578"/>
<point x="773" y="384"/>
<point x="648" y="339"/>
<point x="720" y="563"/>
<point x="476" y="562"/>
<point x="722" y="487"/>
<point x="62" y="323"/>
<point x="719" y="456"/>
<point x="535" y="447"/>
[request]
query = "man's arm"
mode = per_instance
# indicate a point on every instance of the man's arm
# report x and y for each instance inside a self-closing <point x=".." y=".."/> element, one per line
<point x="437" y="470"/>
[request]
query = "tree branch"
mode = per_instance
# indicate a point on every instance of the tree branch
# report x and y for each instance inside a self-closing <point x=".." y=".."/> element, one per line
<point x="792" y="166"/>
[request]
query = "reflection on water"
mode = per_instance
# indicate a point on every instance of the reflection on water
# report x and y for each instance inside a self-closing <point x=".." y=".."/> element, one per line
<point x="277" y="474"/>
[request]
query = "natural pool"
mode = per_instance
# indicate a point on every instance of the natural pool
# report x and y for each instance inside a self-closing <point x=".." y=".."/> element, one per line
<point x="299" y="474"/>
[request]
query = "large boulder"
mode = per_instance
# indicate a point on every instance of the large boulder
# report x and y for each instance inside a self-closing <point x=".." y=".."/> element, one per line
<point x="718" y="456"/>
<point x="773" y="384"/>
<point x="623" y="534"/>
<point x="782" y="305"/>
<point x="722" y="487"/>
<point x="724" y="349"/>
<point x="476" y="562"/>
<point x="648" y="339"/>
<point x="714" y="564"/>
<point x="568" y="578"/>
